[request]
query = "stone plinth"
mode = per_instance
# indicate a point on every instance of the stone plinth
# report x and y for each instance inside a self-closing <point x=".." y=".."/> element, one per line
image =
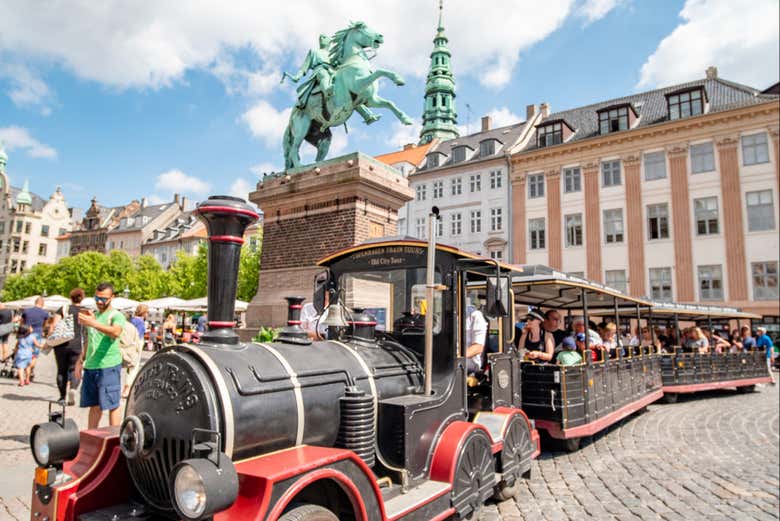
<point x="315" y="210"/>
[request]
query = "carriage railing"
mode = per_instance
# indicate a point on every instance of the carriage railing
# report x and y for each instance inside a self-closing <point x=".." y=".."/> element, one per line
<point x="680" y="368"/>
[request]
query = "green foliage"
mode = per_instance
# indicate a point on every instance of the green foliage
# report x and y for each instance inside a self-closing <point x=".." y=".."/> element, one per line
<point x="249" y="268"/>
<point x="266" y="334"/>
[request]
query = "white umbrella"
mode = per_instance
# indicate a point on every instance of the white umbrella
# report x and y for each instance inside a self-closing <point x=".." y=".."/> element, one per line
<point x="21" y="303"/>
<point x="202" y="304"/>
<point x="164" y="303"/>
<point x="120" y="303"/>
<point x="55" y="302"/>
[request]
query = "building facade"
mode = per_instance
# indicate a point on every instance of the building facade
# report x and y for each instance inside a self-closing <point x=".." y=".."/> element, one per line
<point x="133" y="230"/>
<point x="670" y="194"/>
<point x="92" y="233"/>
<point x="29" y="225"/>
<point x="185" y="234"/>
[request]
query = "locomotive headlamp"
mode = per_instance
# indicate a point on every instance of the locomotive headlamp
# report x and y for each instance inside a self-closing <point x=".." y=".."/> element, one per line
<point x="56" y="441"/>
<point x="201" y="487"/>
<point x="206" y="483"/>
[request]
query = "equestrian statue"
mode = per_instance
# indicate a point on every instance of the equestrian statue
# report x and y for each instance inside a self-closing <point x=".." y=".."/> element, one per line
<point x="341" y="81"/>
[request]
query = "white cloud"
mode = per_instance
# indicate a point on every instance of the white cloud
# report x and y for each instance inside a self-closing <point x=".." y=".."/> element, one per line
<point x="26" y="88"/>
<point x="267" y="123"/>
<point x="501" y="117"/>
<point x="264" y="168"/>
<point x="153" y="44"/>
<point x="594" y="10"/>
<point x="176" y="181"/>
<point x="740" y="39"/>
<point x="404" y="134"/>
<point x="241" y="188"/>
<point x="339" y="142"/>
<point x="20" y="138"/>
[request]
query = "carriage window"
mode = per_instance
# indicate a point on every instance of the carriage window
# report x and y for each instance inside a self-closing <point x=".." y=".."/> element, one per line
<point x="396" y="298"/>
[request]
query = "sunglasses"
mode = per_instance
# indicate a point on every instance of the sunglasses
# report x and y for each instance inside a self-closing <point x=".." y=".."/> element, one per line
<point x="102" y="300"/>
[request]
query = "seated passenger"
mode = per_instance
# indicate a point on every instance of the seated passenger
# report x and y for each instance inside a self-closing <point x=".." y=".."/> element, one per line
<point x="551" y="325"/>
<point x="578" y="326"/>
<point x="309" y="322"/>
<point x="716" y="343"/>
<point x="595" y="350"/>
<point x="538" y="345"/>
<point x="748" y="342"/>
<point x="697" y="342"/>
<point x="610" y="339"/>
<point x="476" y="333"/>
<point x="569" y="355"/>
<point x="646" y="340"/>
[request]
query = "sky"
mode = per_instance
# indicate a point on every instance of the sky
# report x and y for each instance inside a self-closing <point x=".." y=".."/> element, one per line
<point x="123" y="100"/>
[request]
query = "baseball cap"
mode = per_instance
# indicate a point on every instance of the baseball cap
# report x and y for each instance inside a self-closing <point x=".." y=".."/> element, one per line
<point x="580" y="337"/>
<point x="568" y="343"/>
<point x="534" y="315"/>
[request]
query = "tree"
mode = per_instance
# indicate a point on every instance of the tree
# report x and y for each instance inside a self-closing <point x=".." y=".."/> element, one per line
<point x="249" y="268"/>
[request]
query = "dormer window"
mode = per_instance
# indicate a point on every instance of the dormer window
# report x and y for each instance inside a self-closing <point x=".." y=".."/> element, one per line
<point x="460" y="153"/>
<point x="433" y="160"/>
<point x="553" y="132"/>
<point x="487" y="147"/>
<point x="616" y="118"/>
<point x="686" y="104"/>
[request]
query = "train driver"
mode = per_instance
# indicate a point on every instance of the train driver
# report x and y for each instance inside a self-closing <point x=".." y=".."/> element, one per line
<point x="476" y="334"/>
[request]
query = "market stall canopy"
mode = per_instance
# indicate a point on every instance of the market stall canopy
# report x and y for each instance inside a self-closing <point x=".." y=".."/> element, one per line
<point x="164" y="303"/>
<point x="51" y="303"/>
<point x="120" y="303"/>
<point x="202" y="304"/>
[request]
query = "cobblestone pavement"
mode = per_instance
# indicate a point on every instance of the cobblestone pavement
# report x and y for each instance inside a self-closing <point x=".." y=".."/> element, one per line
<point x="712" y="457"/>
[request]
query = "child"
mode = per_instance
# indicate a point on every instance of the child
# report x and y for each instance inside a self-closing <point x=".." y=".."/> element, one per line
<point x="28" y="345"/>
<point x="569" y="355"/>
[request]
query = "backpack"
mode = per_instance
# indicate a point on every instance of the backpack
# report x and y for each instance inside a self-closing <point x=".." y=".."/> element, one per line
<point x="130" y="344"/>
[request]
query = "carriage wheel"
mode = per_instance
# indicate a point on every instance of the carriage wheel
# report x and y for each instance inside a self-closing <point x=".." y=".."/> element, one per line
<point x="517" y="449"/>
<point x="474" y="476"/>
<point x="571" y="444"/>
<point x="670" y="397"/>
<point x="309" y="513"/>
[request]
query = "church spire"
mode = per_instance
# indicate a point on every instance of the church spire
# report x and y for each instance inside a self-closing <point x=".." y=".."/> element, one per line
<point x="439" y="117"/>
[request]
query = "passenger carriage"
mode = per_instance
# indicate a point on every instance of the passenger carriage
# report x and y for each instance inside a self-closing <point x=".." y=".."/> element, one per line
<point x="374" y="423"/>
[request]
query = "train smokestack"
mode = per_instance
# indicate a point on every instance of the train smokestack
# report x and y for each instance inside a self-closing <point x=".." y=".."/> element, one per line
<point x="226" y="218"/>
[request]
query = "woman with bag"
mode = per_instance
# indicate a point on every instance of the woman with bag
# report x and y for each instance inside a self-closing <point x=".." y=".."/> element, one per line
<point x="68" y="352"/>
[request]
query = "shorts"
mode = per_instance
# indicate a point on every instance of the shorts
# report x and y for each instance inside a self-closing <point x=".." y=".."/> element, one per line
<point x="22" y="363"/>
<point x="101" y="387"/>
<point x="4" y="338"/>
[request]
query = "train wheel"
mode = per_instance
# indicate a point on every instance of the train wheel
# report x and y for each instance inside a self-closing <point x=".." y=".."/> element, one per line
<point x="474" y="476"/>
<point x="670" y="397"/>
<point x="515" y="459"/>
<point x="571" y="444"/>
<point x="309" y="513"/>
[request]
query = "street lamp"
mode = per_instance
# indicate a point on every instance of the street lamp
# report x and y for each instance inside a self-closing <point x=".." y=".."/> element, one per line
<point x="126" y="292"/>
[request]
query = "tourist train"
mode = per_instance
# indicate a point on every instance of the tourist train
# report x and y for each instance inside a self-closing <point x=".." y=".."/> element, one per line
<point x="382" y="421"/>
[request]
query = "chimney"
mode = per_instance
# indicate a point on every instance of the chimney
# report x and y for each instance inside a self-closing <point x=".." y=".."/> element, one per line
<point x="176" y="198"/>
<point x="545" y="109"/>
<point x="485" y="123"/>
<point x="183" y="205"/>
<point x="408" y="146"/>
<point x="711" y="72"/>
<point x="293" y="333"/>
<point x="143" y="202"/>
<point x="531" y="111"/>
<point x="226" y="218"/>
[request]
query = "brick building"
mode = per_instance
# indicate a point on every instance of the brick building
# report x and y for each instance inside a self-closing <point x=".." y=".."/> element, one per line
<point x="670" y="193"/>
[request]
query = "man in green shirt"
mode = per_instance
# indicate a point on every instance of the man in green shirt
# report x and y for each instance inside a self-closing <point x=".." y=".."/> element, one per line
<point x="101" y="358"/>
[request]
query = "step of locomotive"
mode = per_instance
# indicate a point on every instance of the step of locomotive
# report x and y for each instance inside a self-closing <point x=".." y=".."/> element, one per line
<point x="416" y="496"/>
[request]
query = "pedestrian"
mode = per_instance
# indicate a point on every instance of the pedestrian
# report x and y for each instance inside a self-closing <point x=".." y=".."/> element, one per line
<point x="764" y="342"/>
<point x="67" y="354"/>
<point x="169" y="330"/>
<point x="6" y="317"/>
<point x="139" y="321"/>
<point x="27" y="344"/>
<point x="35" y="317"/>
<point x="100" y="364"/>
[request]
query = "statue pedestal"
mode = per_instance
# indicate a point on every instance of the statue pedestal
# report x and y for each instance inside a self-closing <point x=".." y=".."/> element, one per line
<point x="315" y="210"/>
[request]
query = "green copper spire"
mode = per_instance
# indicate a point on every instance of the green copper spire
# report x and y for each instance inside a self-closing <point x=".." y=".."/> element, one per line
<point x="439" y="117"/>
<point x="24" y="196"/>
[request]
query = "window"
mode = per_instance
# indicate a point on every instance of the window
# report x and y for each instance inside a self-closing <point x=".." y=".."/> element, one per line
<point x="476" y="221"/>
<point x="613" y="120"/>
<point x="420" y="190"/>
<point x="549" y="135"/>
<point x="19" y="226"/>
<point x="661" y="283"/>
<point x="535" y="186"/>
<point x="432" y="160"/>
<point x="754" y="149"/>
<point x="14" y="264"/>
<point x="579" y="274"/>
<point x="496" y="224"/>
<point x="495" y="179"/>
<point x="22" y="266"/>
<point x="610" y="173"/>
<point x="456" y="185"/>
<point x="760" y="210"/>
<point x="573" y="230"/>
<point x="440" y="227"/>
<point x="475" y="183"/>
<point x="497" y="254"/>
<point x="657" y="221"/>
<point x="456" y="224"/>
<point x="25" y="246"/>
<point x="438" y="189"/>
<point x="420" y="228"/>
<point x="62" y="231"/>
<point x="1" y="244"/>
<point x="487" y="147"/>
<point x="613" y="226"/>
<point x="42" y="250"/>
<point x="685" y="104"/>
<point x="2" y="226"/>
<point x="459" y="154"/>
<point x="616" y="279"/>
<point x="710" y="282"/>
<point x="45" y="230"/>
<point x="706" y="213"/>
<point x="655" y="165"/>
<point x="702" y="158"/>
<point x="536" y="233"/>
<point x="572" y="180"/>
<point x="765" y="280"/>
<point x="27" y="228"/>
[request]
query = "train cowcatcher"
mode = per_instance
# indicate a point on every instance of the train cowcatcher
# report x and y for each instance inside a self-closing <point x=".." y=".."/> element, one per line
<point x="380" y="422"/>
